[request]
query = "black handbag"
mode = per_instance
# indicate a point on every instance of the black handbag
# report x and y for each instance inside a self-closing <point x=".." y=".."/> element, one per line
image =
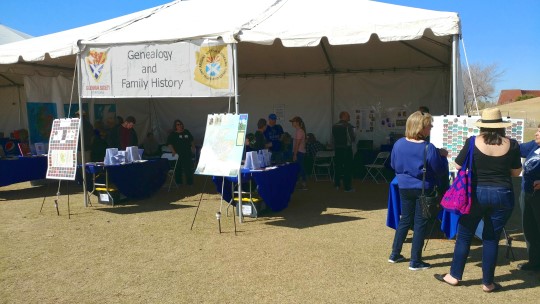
<point x="430" y="203"/>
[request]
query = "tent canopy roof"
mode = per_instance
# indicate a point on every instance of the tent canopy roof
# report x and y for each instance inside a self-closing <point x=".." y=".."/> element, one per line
<point x="420" y="36"/>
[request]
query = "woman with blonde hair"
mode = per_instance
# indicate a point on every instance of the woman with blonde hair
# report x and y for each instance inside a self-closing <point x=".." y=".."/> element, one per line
<point x="495" y="160"/>
<point x="407" y="160"/>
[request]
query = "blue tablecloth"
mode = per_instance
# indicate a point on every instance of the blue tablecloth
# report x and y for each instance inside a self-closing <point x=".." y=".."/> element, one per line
<point x="135" y="180"/>
<point x="275" y="186"/>
<point x="22" y="169"/>
<point x="449" y="220"/>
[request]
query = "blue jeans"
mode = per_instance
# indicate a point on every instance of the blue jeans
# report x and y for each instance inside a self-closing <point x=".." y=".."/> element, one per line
<point x="494" y="205"/>
<point x="410" y="210"/>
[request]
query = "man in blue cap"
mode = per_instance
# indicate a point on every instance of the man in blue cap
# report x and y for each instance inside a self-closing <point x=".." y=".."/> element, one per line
<point x="273" y="134"/>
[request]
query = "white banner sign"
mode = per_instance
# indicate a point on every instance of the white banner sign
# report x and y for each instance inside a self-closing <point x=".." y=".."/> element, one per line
<point x="181" y="69"/>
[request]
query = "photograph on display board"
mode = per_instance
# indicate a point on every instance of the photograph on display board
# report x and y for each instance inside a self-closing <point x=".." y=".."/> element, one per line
<point x="223" y="146"/>
<point x="364" y="120"/>
<point x="451" y="131"/>
<point x="74" y="109"/>
<point x="40" y="118"/>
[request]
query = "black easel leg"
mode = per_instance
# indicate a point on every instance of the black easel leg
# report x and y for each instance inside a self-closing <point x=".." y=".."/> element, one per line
<point x="198" y="205"/>
<point x="44" y="197"/>
<point x="430" y="232"/>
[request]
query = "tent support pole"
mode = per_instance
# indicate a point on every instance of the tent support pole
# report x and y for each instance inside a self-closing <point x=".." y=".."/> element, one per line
<point x="79" y="91"/>
<point x="237" y="110"/>
<point x="455" y="70"/>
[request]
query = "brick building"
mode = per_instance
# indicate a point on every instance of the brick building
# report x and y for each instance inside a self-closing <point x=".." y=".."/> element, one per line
<point x="508" y="96"/>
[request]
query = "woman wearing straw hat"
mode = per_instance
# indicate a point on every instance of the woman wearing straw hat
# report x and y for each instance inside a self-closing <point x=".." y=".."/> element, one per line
<point x="495" y="160"/>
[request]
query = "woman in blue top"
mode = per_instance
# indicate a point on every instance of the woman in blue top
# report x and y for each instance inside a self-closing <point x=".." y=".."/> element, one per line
<point x="407" y="160"/>
<point x="530" y="201"/>
<point x="495" y="160"/>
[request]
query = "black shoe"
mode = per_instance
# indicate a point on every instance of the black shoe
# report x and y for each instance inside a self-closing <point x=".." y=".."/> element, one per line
<point x="528" y="267"/>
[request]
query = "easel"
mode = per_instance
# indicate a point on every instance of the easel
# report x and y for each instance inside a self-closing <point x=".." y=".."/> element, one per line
<point x="218" y="214"/>
<point x="57" y="199"/>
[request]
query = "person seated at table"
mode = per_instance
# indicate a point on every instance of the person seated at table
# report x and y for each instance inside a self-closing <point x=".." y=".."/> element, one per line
<point x="180" y="141"/>
<point x="407" y="160"/>
<point x="99" y="146"/>
<point x="150" y="146"/>
<point x="122" y="136"/>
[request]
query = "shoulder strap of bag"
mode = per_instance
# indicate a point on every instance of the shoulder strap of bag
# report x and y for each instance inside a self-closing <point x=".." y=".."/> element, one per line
<point x="471" y="152"/>
<point x="424" y="169"/>
<point x="467" y="164"/>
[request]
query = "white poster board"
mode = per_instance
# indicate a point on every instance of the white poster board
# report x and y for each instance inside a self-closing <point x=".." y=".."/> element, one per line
<point x="198" y="68"/>
<point x="451" y="131"/>
<point x="62" y="156"/>
<point x="223" y="146"/>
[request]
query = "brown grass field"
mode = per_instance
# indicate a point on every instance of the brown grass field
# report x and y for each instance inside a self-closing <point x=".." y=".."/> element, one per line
<point x="326" y="247"/>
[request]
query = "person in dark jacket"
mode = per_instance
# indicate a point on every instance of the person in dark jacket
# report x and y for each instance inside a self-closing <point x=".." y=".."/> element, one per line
<point x="344" y="138"/>
<point x="530" y="201"/>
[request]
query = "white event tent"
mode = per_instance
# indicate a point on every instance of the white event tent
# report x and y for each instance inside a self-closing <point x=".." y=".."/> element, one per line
<point x="297" y="57"/>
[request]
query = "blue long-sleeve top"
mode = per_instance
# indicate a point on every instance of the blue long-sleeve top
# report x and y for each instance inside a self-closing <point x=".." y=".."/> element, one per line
<point x="531" y="166"/>
<point x="408" y="160"/>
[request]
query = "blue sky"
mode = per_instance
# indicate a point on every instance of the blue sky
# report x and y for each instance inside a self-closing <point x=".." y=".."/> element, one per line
<point x="504" y="32"/>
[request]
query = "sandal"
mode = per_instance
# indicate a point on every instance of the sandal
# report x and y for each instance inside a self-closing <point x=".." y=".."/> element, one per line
<point x="440" y="277"/>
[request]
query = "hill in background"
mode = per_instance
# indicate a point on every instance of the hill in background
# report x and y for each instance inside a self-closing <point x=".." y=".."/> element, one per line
<point x="529" y="110"/>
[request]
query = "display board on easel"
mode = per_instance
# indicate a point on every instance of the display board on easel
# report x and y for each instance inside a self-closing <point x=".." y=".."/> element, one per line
<point x="223" y="146"/>
<point x="451" y="131"/>
<point x="62" y="156"/>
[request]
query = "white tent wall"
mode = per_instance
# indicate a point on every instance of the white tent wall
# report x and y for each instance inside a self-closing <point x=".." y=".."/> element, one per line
<point x="12" y="100"/>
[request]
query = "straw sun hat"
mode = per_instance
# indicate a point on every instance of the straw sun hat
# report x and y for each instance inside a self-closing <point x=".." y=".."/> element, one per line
<point x="492" y="118"/>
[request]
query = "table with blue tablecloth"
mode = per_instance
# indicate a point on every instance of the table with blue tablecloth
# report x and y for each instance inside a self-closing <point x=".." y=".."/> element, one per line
<point x="275" y="186"/>
<point x="449" y="220"/>
<point x="22" y="169"/>
<point x="135" y="180"/>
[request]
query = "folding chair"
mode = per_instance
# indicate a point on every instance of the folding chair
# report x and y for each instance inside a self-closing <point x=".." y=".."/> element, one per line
<point x="323" y="164"/>
<point x="376" y="168"/>
<point x="170" y="173"/>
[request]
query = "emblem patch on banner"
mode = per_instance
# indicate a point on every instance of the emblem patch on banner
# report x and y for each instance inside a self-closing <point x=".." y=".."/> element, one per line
<point x="96" y="61"/>
<point x="212" y="68"/>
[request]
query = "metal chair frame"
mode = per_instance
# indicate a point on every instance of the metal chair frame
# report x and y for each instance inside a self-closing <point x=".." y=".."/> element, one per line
<point x="376" y="168"/>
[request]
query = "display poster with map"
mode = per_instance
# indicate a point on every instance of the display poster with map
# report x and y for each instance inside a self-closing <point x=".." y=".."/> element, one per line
<point x="223" y="146"/>
<point x="62" y="156"/>
<point x="451" y="131"/>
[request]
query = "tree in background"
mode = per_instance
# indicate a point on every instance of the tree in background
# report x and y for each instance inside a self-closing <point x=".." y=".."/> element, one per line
<point x="484" y="78"/>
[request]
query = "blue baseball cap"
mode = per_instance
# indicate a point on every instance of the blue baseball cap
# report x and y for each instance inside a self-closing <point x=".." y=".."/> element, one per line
<point x="272" y="116"/>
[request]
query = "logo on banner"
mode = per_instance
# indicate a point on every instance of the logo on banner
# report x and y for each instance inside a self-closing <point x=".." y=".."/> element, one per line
<point x="96" y="62"/>
<point x="213" y="67"/>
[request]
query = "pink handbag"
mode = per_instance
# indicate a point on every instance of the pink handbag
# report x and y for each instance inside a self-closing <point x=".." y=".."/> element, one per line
<point x="458" y="198"/>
